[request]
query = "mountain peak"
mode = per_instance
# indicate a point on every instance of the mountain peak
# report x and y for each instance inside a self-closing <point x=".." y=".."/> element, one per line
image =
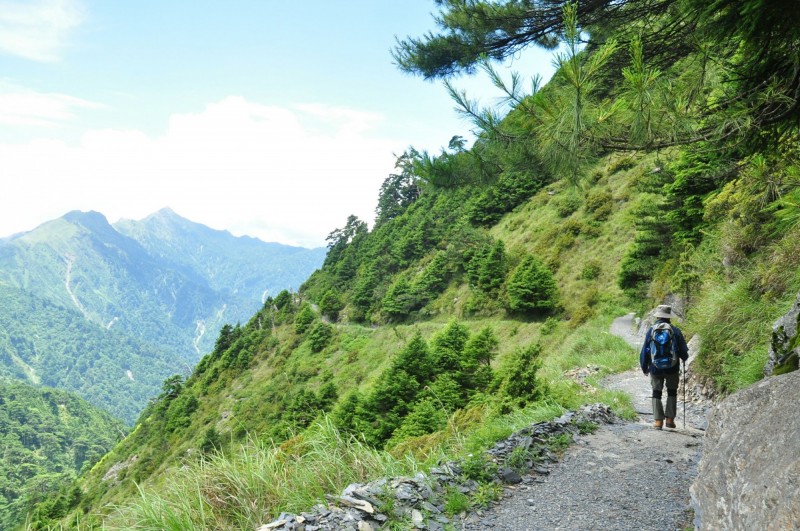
<point x="166" y="212"/>
<point x="92" y="216"/>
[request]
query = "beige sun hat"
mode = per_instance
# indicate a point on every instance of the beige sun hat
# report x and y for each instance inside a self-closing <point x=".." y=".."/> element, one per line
<point x="664" y="311"/>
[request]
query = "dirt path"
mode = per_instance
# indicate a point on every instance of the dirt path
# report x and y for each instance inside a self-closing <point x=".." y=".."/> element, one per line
<point x="625" y="476"/>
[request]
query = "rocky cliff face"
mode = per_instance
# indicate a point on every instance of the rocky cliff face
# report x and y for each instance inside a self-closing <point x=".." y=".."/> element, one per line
<point x="748" y="477"/>
<point x="784" y="351"/>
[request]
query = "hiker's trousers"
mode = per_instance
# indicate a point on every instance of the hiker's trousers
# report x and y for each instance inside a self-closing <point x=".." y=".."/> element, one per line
<point x="657" y="383"/>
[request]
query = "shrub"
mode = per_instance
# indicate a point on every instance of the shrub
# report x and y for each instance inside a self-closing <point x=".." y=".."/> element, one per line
<point x="520" y="385"/>
<point x="600" y="203"/>
<point x="591" y="270"/>
<point x="331" y="304"/>
<point x="566" y="204"/>
<point x="305" y="317"/>
<point x="478" y="467"/>
<point x="621" y="164"/>
<point x="532" y="287"/>
<point x="320" y="336"/>
<point x="455" y="502"/>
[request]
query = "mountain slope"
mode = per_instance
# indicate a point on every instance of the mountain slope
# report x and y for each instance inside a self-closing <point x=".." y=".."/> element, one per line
<point x="242" y="266"/>
<point x="45" y="344"/>
<point x="47" y="436"/>
<point x="90" y="309"/>
<point x="80" y="262"/>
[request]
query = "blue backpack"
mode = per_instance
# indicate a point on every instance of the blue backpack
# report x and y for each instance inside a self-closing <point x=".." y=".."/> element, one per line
<point x="662" y="347"/>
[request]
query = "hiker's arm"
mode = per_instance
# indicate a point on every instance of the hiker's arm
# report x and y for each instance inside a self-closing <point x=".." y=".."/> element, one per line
<point x="683" y="348"/>
<point x="644" y="354"/>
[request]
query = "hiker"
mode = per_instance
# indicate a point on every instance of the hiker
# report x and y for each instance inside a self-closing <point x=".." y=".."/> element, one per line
<point x="664" y="345"/>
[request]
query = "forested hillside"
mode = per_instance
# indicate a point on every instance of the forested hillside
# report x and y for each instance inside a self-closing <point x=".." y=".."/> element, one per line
<point x="660" y="163"/>
<point x="48" y="436"/>
<point x="44" y="344"/>
<point x="109" y="314"/>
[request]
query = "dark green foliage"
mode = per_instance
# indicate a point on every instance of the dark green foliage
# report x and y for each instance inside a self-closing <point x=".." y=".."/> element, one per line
<point x="695" y="175"/>
<point x="399" y="300"/>
<point x="363" y="295"/>
<point x="282" y="300"/>
<point x="600" y="204"/>
<point x="532" y="287"/>
<point x="566" y="203"/>
<point x="449" y="169"/>
<point x="303" y="408"/>
<point x="478" y="468"/>
<point x="304" y="318"/>
<point x="434" y="277"/>
<point x="171" y="388"/>
<point x="327" y="396"/>
<point x="48" y="436"/>
<point x="488" y="266"/>
<point x="346" y="413"/>
<point x="427" y="416"/>
<point x="227" y="335"/>
<point x="492" y="272"/>
<point x="423" y="386"/>
<point x="448" y="347"/>
<point x="447" y="393"/>
<point x="379" y="282"/>
<point x="652" y="241"/>
<point x="511" y="190"/>
<point x="397" y="192"/>
<point x="179" y="413"/>
<point x="331" y="304"/>
<point x="479" y="352"/>
<point x="591" y="270"/>
<point x="339" y="240"/>
<point x="319" y="336"/>
<point x="211" y="441"/>
<point x="416" y="360"/>
<point x="520" y="385"/>
<point x="387" y="405"/>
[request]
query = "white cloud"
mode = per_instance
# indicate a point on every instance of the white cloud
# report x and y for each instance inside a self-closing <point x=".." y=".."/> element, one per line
<point x="282" y="174"/>
<point x="19" y="106"/>
<point x="38" y="30"/>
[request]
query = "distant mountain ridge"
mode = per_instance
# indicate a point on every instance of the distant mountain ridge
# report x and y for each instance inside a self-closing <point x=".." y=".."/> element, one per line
<point x="208" y="252"/>
<point x="164" y="284"/>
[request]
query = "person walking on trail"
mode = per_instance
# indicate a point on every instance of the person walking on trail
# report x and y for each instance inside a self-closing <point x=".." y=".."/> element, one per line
<point x="663" y="349"/>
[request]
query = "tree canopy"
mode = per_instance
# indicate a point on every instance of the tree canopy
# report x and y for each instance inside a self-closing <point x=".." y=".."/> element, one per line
<point x="747" y="91"/>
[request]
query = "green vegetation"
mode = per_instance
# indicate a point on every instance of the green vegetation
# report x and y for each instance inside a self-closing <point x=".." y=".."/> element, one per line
<point x="109" y="312"/>
<point x="47" y="436"/>
<point x="44" y="344"/>
<point x="651" y="166"/>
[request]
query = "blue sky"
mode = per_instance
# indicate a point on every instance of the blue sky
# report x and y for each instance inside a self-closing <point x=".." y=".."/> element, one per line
<point x="268" y="118"/>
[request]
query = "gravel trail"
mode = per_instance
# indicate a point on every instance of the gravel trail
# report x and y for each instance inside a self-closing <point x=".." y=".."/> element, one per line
<point x="625" y="476"/>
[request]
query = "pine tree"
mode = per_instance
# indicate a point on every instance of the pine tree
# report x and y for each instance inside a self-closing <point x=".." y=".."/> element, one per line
<point x="532" y="287"/>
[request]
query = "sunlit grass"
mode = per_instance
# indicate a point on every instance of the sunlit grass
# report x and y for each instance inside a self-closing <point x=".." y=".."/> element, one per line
<point x="257" y="481"/>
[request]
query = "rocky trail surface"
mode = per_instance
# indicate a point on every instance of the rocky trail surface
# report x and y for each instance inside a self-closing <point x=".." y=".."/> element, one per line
<point x="625" y="476"/>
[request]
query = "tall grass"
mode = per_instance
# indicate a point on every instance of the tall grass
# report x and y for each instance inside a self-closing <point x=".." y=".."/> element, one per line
<point x="731" y="321"/>
<point x="257" y="481"/>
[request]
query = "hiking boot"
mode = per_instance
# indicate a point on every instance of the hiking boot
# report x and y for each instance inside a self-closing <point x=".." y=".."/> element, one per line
<point x="670" y="423"/>
<point x="658" y="424"/>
